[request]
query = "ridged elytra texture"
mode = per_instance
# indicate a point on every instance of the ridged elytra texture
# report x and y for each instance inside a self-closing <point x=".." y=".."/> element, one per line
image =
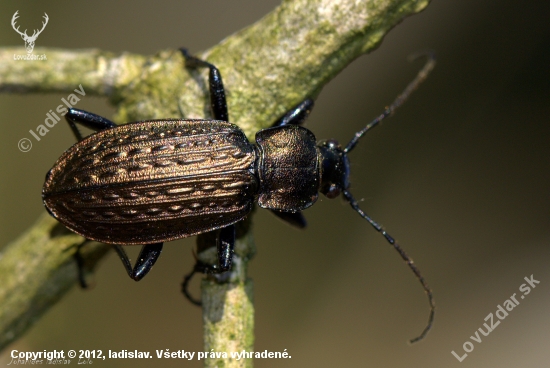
<point x="153" y="181"/>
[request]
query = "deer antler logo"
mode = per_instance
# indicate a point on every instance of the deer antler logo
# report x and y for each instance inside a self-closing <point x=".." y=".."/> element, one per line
<point x="29" y="40"/>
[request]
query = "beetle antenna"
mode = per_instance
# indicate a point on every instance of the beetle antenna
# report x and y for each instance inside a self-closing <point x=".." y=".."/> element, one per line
<point x="420" y="77"/>
<point x="405" y="257"/>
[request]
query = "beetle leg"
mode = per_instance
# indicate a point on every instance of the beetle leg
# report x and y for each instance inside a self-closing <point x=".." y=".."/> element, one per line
<point x="296" y="219"/>
<point x="217" y="91"/>
<point x="198" y="268"/>
<point x="225" y="244"/>
<point x="89" y="120"/>
<point x="80" y="265"/>
<point x="147" y="257"/>
<point x="296" y="115"/>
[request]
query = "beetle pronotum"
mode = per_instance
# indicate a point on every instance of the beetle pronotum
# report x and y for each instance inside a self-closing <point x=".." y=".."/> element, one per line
<point x="153" y="181"/>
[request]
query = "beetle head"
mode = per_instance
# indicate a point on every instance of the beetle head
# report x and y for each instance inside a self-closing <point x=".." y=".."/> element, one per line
<point x="335" y="168"/>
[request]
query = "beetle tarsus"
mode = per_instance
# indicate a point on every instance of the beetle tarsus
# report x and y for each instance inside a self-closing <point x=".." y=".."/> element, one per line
<point x="225" y="245"/>
<point x="147" y="257"/>
<point x="199" y="267"/>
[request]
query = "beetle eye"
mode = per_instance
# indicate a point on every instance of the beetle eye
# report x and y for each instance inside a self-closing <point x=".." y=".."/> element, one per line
<point x="333" y="191"/>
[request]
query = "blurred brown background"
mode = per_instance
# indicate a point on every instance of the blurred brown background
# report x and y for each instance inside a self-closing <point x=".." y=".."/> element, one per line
<point x="460" y="176"/>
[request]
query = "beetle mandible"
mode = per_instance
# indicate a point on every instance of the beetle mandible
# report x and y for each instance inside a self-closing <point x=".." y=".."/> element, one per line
<point x="154" y="181"/>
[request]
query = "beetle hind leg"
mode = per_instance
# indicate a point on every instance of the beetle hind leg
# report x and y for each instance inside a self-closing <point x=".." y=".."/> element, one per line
<point x="147" y="257"/>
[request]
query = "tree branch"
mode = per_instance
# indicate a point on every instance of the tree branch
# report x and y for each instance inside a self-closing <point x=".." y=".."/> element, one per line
<point x="101" y="72"/>
<point x="36" y="270"/>
<point x="288" y="55"/>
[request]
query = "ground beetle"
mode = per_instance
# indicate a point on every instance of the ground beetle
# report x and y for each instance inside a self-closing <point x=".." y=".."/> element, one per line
<point x="154" y="181"/>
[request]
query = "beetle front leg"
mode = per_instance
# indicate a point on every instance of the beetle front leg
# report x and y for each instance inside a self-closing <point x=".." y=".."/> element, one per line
<point x="296" y="115"/>
<point x="147" y="257"/>
<point x="89" y="120"/>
